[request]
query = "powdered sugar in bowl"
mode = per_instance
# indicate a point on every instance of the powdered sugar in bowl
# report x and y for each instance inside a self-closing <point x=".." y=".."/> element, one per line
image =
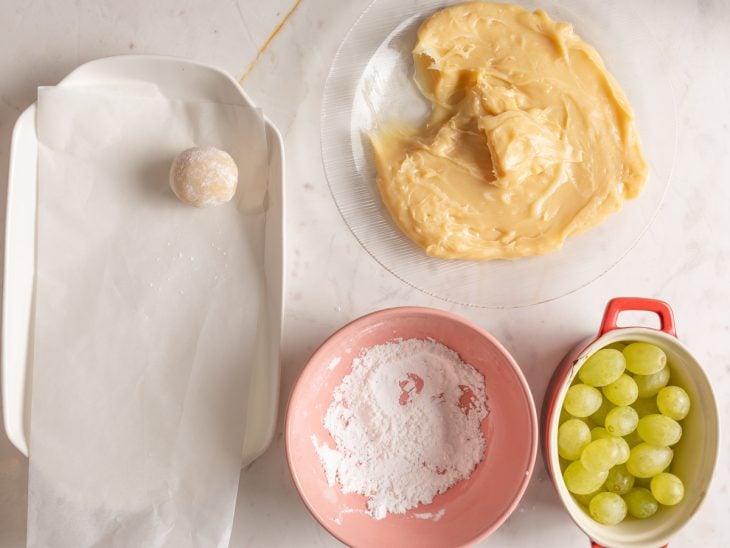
<point x="411" y="427"/>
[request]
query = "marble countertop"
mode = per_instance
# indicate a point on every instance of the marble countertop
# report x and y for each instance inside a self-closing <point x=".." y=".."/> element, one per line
<point x="284" y="48"/>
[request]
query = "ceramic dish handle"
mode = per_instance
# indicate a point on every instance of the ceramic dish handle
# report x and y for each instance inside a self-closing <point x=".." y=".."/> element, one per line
<point x="623" y="304"/>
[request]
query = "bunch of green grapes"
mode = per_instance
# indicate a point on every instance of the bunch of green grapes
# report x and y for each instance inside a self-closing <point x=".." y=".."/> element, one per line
<point x="619" y="421"/>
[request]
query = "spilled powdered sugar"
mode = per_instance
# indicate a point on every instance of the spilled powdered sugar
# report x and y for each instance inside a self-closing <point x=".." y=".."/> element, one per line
<point x="334" y="363"/>
<point x="406" y="426"/>
<point x="432" y="516"/>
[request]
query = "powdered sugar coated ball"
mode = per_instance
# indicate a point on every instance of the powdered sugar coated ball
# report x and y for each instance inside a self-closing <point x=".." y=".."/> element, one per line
<point x="204" y="176"/>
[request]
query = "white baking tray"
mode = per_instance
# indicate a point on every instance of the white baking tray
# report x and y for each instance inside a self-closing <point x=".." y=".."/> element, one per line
<point x="176" y="79"/>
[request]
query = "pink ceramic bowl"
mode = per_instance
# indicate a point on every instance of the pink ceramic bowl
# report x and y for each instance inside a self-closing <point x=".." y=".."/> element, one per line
<point x="474" y="508"/>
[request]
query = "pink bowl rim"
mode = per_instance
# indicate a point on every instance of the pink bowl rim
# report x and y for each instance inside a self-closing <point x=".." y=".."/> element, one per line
<point x="384" y="315"/>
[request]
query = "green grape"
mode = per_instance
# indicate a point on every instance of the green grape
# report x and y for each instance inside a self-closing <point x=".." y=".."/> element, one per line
<point x="640" y="503"/>
<point x="645" y="406"/>
<point x="580" y="481"/>
<point x="622" y="391"/>
<point x="659" y="430"/>
<point x="607" y="508"/>
<point x="598" y="433"/>
<point x="624" y="451"/>
<point x="647" y="460"/>
<point x="673" y="402"/>
<point x="600" y="455"/>
<point x="619" y="480"/>
<point x="649" y="385"/>
<point x="621" y="421"/>
<point x="633" y="439"/>
<point x="586" y="499"/>
<point x="599" y="417"/>
<point x="644" y="358"/>
<point x="602" y="368"/>
<point x="573" y="436"/>
<point x="617" y="346"/>
<point x="667" y="489"/>
<point x="582" y="400"/>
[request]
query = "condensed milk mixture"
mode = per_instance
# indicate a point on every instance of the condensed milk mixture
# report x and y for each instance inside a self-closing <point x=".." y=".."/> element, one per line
<point x="530" y="140"/>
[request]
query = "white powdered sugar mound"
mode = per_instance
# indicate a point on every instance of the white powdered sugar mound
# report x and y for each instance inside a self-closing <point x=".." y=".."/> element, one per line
<point x="406" y="425"/>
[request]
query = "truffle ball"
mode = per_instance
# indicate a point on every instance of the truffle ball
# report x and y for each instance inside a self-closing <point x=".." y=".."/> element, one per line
<point x="204" y="176"/>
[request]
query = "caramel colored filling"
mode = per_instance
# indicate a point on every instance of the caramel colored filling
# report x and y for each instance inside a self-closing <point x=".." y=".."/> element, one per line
<point x="530" y="139"/>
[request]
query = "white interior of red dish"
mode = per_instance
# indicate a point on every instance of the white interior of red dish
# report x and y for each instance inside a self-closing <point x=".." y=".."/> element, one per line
<point x="694" y="456"/>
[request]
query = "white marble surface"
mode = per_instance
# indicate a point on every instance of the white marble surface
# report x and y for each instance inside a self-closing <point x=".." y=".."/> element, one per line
<point x="684" y="258"/>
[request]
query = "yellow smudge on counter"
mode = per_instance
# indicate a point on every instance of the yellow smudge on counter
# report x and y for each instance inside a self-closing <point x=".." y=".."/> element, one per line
<point x="268" y="41"/>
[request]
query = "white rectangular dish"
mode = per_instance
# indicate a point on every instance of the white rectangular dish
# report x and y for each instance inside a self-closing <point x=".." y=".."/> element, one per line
<point x="175" y="79"/>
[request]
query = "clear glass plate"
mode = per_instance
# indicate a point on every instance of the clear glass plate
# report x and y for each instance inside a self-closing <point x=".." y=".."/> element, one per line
<point x="371" y="81"/>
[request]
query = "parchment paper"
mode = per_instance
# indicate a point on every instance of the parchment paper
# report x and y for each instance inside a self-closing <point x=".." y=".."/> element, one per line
<point x="146" y="317"/>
